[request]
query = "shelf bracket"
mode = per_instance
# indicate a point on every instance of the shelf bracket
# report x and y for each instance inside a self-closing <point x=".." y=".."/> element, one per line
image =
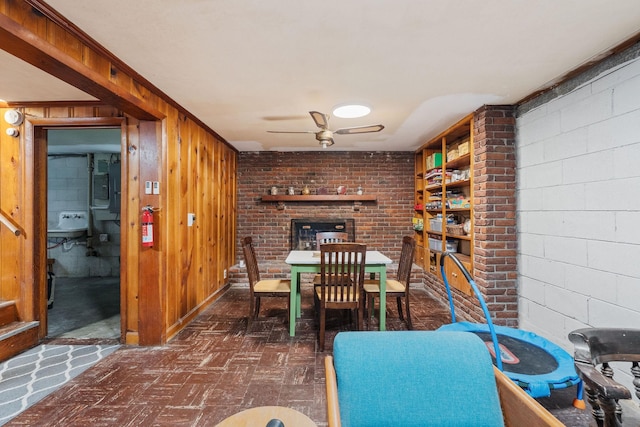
<point x="356" y="206"/>
<point x="280" y="206"/>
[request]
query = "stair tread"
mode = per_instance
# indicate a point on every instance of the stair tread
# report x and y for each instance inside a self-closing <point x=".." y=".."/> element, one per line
<point x="15" y="328"/>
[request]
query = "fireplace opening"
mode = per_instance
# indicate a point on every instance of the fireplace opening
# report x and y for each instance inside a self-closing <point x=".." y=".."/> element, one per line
<point x="303" y="231"/>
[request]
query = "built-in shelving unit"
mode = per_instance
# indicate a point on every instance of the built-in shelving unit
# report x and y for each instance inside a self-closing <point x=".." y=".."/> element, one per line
<point x="443" y="201"/>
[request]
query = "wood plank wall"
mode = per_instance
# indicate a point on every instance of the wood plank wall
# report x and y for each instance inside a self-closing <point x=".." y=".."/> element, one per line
<point x="167" y="285"/>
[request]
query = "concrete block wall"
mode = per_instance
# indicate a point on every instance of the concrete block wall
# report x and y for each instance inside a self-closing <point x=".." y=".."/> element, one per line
<point x="578" y="205"/>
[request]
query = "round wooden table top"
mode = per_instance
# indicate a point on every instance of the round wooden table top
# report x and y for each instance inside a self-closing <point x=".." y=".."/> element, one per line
<point x="260" y="416"/>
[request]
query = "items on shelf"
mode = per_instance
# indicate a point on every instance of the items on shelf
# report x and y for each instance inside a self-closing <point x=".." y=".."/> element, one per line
<point x="434" y="160"/>
<point x="458" y="202"/>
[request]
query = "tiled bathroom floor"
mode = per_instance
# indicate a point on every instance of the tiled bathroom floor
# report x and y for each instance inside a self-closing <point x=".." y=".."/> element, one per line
<point x="216" y="367"/>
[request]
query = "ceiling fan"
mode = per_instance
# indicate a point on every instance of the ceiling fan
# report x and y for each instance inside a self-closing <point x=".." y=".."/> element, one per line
<point x="325" y="136"/>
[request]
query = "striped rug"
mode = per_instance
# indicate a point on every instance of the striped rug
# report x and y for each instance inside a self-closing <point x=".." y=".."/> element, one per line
<point x="32" y="375"/>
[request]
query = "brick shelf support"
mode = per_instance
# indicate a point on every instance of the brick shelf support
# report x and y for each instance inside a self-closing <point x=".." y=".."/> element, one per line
<point x="495" y="251"/>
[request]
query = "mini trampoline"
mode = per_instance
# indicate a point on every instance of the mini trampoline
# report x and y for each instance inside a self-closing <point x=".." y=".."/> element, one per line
<point x="534" y="363"/>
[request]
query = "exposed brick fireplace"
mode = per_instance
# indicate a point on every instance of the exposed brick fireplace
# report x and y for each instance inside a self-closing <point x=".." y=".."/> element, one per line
<point x="380" y="224"/>
<point x="304" y="230"/>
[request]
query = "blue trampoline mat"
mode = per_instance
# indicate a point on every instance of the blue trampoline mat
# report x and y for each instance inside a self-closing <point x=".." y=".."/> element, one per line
<point x="533" y="362"/>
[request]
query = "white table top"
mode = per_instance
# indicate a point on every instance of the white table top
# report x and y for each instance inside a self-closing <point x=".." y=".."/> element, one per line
<point x="313" y="257"/>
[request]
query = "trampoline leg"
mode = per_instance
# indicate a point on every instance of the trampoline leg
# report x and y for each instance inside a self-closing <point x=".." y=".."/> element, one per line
<point x="578" y="402"/>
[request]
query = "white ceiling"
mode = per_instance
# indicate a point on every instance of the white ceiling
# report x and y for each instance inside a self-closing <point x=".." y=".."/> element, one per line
<point x="247" y="66"/>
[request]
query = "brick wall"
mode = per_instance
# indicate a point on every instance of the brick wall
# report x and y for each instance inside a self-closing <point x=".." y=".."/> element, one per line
<point x="381" y="224"/>
<point x="495" y="252"/>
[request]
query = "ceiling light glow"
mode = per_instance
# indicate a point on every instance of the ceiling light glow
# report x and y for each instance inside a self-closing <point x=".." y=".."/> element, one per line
<point x="351" y="111"/>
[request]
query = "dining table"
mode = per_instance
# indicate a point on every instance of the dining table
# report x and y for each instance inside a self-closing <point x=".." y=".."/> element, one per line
<point x="309" y="262"/>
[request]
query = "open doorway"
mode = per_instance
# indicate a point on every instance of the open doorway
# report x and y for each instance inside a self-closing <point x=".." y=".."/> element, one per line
<point x="83" y="232"/>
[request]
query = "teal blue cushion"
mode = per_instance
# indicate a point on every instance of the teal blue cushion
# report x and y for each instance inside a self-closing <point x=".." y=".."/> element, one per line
<point x="415" y="378"/>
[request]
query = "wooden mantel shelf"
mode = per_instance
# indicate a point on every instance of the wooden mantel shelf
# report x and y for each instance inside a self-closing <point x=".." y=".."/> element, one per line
<point x="320" y="198"/>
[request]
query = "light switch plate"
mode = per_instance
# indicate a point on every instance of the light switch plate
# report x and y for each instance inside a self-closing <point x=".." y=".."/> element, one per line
<point x="156" y="187"/>
<point x="147" y="187"/>
<point x="191" y="218"/>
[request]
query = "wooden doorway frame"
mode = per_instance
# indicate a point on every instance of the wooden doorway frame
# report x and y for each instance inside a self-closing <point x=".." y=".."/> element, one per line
<point x="36" y="172"/>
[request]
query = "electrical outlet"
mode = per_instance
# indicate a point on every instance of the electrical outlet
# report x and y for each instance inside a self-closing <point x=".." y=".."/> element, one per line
<point x="191" y="218"/>
<point x="225" y="273"/>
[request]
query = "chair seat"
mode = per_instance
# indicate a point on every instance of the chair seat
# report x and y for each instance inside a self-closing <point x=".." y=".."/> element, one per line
<point x="272" y="285"/>
<point x="373" y="286"/>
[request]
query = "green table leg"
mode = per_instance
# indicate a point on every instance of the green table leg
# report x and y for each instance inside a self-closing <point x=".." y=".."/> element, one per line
<point x="383" y="298"/>
<point x="294" y="300"/>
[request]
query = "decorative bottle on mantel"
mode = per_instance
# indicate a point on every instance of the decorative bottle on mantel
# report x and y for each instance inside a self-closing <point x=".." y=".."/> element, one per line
<point x="306" y="191"/>
<point x="359" y="191"/>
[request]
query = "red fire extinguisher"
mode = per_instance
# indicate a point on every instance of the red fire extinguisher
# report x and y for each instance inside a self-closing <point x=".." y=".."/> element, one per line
<point x="147" y="226"/>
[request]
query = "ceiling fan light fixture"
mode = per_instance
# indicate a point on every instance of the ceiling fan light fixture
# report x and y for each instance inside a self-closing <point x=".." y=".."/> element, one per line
<point x="327" y="143"/>
<point x="351" y="111"/>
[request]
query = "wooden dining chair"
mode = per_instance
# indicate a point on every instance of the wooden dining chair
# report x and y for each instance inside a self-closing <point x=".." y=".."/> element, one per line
<point x="324" y="237"/>
<point x="261" y="288"/>
<point x="398" y="287"/>
<point x="341" y="282"/>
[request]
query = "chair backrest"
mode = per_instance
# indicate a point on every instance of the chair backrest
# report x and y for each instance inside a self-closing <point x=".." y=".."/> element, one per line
<point x="406" y="260"/>
<point x="595" y="348"/>
<point x="330" y="237"/>
<point x="415" y="378"/>
<point x="250" y="259"/>
<point x="342" y="271"/>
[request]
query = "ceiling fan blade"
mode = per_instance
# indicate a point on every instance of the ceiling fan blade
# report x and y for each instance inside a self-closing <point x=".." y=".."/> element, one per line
<point x="359" y="129"/>
<point x="291" y="131"/>
<point x="322" y="120"/>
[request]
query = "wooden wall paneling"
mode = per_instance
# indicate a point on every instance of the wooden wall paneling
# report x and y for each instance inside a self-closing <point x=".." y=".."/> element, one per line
<point x="185" y="241"/>
<point x="218" y="197"/>
<point x="130" y="232"/>
<point x="172" y="213"/>
<point x="152" y="325"/>
<point x="207" y="212"/>
<point x="201" y="220"/>
<point x="221" y="192"/>
<point x="11" y="206"/>
<point x="232" y="207"/>
<point x="228" y="219"/>
<point x="64" y="41"/>
<point x="59" y="112"/>
<point x="83" y="111"/>
<point x="193" y="231"/>
<point x="96" y="62"/>
<point x="59" y="48"/>
<point x="35" y="290"/>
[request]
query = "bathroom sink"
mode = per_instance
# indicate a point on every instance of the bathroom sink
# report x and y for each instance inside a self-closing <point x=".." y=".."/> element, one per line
<point x="71" y="224"/>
